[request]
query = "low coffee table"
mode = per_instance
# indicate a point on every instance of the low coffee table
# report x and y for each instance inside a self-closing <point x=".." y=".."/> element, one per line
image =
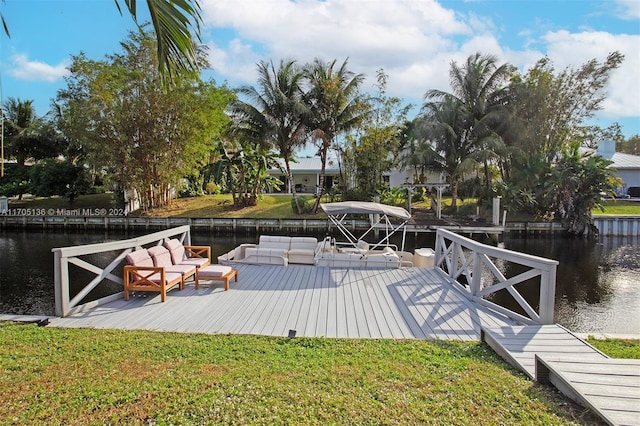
<point x="216" y="273"/>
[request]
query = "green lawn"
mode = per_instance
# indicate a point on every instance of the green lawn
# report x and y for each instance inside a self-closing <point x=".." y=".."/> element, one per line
<point x="617" y="348"/>
<point x="269" y="207"/>
<point x="75" y="376"/>
<point x="619" y="207"/>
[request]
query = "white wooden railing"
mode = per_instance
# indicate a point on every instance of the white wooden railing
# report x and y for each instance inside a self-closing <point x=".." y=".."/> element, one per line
<point x="71" y="255"/>
<point x="463" y="259"/>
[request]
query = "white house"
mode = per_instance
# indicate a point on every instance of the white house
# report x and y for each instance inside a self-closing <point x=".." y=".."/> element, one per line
<point x="627" y="167"/>
<point x="306" y="174"/>
<point x="396" y="178"/>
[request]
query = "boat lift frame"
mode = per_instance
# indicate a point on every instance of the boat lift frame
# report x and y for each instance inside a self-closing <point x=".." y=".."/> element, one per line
<point x="379" y="217"/>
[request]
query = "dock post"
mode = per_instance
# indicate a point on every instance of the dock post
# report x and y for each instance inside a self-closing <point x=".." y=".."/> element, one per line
<point x="496" y="211"/>
<point x="61" y="283"/>
<point x="547" y="296"/>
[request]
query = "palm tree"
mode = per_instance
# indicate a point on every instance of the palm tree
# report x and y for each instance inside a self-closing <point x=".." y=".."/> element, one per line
<point x="274" y="114"/>
<point x="479" y="89"/>
<point x="418" y="150"/>
<point x="575" y="187"/>
<point x="27" y="136"/>
<point x="444" y="119"/>
<point x="173" y="22"/>
<point x="335" y="106"/>
<point x="242" y="170"/>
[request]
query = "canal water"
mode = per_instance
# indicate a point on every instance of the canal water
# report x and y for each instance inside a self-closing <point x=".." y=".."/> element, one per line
<point x="597" y="289"/>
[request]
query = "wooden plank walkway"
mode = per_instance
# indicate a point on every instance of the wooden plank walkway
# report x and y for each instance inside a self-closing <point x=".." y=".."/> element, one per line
<point x="609" y="387"/>
<point x="519" y="345"/>
<point x="552" y="354"/>
<point x="407" y="303"/>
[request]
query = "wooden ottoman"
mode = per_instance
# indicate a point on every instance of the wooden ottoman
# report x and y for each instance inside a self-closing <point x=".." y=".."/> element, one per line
<point x="216" y="273"/>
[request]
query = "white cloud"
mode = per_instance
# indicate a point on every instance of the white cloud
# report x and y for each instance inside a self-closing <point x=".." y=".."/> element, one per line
<point x="372" y="34"/>
<point x="623" y="89"/>
<point x="24" y="69"/>
<point x="236" y="60"/>
<point x="414" y="41"/>
<point x="628" y="9"/>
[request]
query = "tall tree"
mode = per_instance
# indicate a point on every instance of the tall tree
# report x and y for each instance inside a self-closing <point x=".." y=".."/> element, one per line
<point x="379" y="138"/>
<point x="27" y="136"/>
<point x="629" y="146"/>
<point x="147" y="137"/>
<point x="550" y="109"/>
<point x="274" y="114"/>
<point x="445" y="120"/>
<point x="418" y="150"/>
<point x="479" y="89"/>
<point x="548" y="113"/>
<point x="335" y="105"/>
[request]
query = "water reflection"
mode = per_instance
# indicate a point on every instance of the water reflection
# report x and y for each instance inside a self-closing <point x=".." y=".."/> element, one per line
<point x="598" y="289"/>
<point x="597" y="285"/>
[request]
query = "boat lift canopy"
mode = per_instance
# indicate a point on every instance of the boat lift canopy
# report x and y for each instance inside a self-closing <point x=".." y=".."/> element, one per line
<point x="381" y="213"/>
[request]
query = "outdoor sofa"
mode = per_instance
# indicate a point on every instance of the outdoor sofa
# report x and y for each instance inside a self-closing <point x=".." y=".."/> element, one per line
<point x="160" y="268"/>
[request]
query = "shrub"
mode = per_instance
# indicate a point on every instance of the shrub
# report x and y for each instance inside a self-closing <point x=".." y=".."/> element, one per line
<point x="12" y="189"/>
<point x="212" y="188"/>
<point x="394" y="197"/>
<point x="305" y="202"/>
<point x="53" y="177"/>
<point x="189" y="188"/>
<point x="15" y="180"/>
<point x="355" y="195"/>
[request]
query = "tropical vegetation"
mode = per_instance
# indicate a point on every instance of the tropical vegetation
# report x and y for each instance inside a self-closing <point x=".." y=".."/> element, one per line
<point x="119" y="118"/>
<point x="496" y="133"/>
<point x="273" y="116"/>
<point x="336" y="107"/>
<point x="517" y="136"/>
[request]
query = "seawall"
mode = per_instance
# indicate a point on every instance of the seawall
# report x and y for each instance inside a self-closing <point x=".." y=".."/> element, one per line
<point x="608" y="225"/>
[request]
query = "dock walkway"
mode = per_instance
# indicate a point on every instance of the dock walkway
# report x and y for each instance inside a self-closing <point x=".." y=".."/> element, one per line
<point x="552" y="354"/>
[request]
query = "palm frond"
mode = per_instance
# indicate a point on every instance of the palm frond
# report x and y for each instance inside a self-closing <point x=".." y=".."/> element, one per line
<point x="175" y="22"/>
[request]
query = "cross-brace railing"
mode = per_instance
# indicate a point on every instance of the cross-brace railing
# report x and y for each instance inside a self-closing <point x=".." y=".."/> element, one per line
<point x="464" y="260"/>
<point x="64" y="256"/>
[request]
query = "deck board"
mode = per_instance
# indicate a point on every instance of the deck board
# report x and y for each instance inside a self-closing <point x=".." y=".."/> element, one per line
<point x="610" y="387"/>
<point x="414" y="303"/>
<point x="552" y="354"/>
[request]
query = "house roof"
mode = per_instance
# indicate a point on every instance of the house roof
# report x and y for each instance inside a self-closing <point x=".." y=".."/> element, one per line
<point x="607" y="149"/>
<point x="311" y="165"/>
<point x="625" y="161"/>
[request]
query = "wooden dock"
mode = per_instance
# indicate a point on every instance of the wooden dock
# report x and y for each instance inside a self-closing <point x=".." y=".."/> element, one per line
<point x="407" y="303"/>
<point x="552" y="354"/>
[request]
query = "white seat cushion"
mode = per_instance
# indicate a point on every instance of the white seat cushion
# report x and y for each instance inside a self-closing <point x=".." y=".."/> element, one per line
<point x="214" y="271"/>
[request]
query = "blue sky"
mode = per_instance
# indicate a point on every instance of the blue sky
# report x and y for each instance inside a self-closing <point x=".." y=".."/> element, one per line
<point x="414" y="41"/>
